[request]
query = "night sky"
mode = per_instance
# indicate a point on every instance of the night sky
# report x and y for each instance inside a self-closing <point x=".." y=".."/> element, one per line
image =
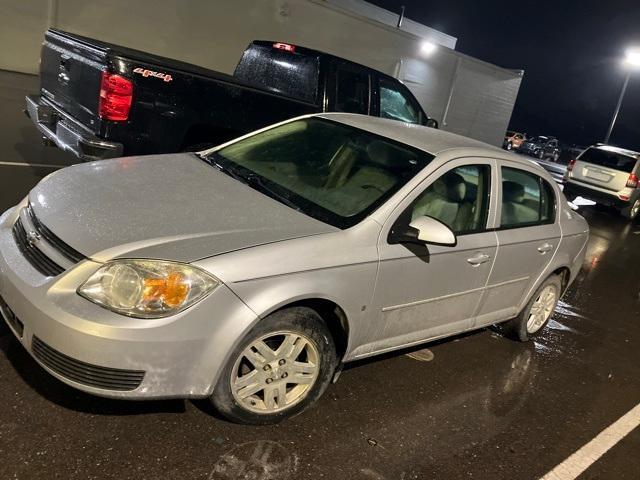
<point x="572" y="53"/>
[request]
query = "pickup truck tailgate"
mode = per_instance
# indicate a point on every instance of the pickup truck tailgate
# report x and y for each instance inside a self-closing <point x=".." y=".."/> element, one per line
<point x="70" y="76"/>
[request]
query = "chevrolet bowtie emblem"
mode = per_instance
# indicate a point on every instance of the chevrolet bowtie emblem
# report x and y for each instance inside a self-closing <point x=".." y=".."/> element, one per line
<point x="33" y="238"/>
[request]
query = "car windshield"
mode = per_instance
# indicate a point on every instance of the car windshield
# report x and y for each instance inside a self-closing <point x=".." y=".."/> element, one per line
<point x="538" y="139"/>
<point x="608" y="158"/>
<point x="330" y="171"/>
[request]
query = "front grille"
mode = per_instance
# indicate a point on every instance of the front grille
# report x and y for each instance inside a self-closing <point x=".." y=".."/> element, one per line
<point x="39" y="260"/>
<point x="33" y="254"/>
<point x="85" y="373"/>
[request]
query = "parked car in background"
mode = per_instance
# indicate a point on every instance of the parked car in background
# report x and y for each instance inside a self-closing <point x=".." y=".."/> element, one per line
<point x="249" y="272"/>
<point x="513" y="140"/>
<point x="541" y="147"/>
<point x="606" y="175"/>
<point x="99" y="100"/>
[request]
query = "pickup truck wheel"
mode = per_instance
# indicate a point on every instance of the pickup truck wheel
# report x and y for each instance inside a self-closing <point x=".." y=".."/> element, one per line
<point x="631" y="212"/>
<point x="536" y="314"/>
<point x="280" y="368"/>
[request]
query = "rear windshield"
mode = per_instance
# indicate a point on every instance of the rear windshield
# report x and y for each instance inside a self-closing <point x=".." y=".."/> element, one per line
<point x="288" y="73"/>
<point x="608" y="159"/>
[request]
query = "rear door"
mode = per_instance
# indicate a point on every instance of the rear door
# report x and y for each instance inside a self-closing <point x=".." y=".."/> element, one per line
<point x="603" y="168"/>
<point x="70" y="76"/>
<point x="528" y="237"/>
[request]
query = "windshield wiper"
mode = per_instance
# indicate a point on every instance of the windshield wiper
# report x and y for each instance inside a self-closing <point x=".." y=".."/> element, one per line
<point x="256" y="181"/>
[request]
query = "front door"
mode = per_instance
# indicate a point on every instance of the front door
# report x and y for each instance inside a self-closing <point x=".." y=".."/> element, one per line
<point x="428" y="291"/>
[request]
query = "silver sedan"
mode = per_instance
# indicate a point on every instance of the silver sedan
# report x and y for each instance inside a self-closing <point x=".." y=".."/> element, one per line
<point x="249" y="273"/>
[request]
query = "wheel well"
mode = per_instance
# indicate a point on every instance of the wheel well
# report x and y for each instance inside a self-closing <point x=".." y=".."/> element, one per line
<point x="565" y="275"/>
<point x="333" y="316"/>
<point x="207" y="134"/>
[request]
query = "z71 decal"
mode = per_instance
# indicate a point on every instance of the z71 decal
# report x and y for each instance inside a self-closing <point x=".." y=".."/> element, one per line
<point x="150" y="73"/>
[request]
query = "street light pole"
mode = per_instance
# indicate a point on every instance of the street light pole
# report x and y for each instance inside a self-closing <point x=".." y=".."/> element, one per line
<point x="617" y="111"/>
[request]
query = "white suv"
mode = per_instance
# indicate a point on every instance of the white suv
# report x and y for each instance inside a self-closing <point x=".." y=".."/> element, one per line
<point x="607" y="175"/>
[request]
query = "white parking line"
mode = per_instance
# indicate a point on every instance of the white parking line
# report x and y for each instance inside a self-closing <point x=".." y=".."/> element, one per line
<point x="19" y="164"/>
<point x="577" y="463"/>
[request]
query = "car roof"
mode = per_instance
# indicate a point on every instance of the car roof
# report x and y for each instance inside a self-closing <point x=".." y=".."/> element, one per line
<point x="621" y="151"/>
<point x="430" y="140"/>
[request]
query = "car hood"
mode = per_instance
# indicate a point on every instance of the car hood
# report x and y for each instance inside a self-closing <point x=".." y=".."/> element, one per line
<point x="172" y="207"/>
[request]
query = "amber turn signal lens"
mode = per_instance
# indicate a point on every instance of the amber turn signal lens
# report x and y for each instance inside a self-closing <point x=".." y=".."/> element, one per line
<point x="171" y="290"/>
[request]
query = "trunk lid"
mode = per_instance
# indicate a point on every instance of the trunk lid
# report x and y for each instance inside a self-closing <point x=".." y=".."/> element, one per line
<point x="70" y="76"/>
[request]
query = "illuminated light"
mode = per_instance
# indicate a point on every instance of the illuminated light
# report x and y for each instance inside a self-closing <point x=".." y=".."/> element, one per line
<point x="633" y="57"/>
<point x="428" y="48"/>
<point x="632" y="181"/>
<point x="287" y="47"/>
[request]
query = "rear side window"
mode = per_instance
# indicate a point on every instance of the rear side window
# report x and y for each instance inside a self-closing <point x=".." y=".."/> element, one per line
<point x="527" y="199"/>
<point x="352" y="90"/>
<point x="397" y="104"/>
<point x="287" y="73"/>
<point x="609" y="159"/>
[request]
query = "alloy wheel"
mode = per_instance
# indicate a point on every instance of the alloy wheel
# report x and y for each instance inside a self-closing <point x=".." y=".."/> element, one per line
<point x="635" y="209"/>
<point x="275" y="372"/>
<point x="542" y="308"/>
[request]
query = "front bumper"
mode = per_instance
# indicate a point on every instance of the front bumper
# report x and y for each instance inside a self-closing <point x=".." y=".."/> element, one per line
<point x="68" y="134"/>
<point x="87" y="346"/>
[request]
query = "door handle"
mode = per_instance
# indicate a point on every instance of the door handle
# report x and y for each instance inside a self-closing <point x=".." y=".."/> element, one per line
<point x="478" y="259"/>
<point x="544" y="248"/>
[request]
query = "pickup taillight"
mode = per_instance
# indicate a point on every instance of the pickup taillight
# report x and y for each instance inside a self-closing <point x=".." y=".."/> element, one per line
<point x="116" y="93"/>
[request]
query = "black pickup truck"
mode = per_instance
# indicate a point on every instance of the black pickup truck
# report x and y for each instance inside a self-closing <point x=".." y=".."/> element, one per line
<point x="99" y="100"/>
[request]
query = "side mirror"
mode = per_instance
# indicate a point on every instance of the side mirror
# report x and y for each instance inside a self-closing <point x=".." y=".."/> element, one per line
<point x="432" y="123"/>
<point x="426" y="230"/>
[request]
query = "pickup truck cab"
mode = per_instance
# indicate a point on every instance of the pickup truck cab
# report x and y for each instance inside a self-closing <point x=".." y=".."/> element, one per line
<point x="99" y="100"/>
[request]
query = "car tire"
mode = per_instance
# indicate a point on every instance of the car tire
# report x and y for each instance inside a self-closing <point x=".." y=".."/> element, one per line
<point x="556" y="157"/>
<point x="509" y="146"/>
<point x="631" y="212"/>
<point x="274" y="398"/>
<point x="537" y="313"/>
<point x="541" y="155"/>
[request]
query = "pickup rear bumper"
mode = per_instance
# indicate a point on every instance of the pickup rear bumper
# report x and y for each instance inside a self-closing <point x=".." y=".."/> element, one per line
<point x="68" y="134"/>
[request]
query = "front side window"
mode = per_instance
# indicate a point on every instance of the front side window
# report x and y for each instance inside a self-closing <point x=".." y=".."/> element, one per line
<point x="397" y="104"/>
<point x="527" y="199"/>
<point x="459" y="199"/>
<point x="352" y="91"/>
<point x="330" y="171"/>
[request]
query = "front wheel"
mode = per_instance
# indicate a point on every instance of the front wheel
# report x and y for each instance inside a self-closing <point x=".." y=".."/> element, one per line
<point x="541" y="155"/>
<point x="281" y="367"/>
<point x="536" y="314"/>
<point x="509" y="146"/>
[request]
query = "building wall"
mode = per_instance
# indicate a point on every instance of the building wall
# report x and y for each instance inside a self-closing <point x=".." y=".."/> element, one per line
<point x="214" y="34"/>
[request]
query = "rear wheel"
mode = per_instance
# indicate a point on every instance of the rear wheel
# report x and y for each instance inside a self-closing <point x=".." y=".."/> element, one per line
<point x="631" y="212"/>
<point x="536" y="314"/>
<point x="282" y="366"/>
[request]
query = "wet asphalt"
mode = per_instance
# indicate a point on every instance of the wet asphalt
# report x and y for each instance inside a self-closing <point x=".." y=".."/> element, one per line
<point x="484" y="407"/>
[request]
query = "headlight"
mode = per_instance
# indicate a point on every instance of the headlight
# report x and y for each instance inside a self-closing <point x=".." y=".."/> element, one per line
<point x="147" y="288"/>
